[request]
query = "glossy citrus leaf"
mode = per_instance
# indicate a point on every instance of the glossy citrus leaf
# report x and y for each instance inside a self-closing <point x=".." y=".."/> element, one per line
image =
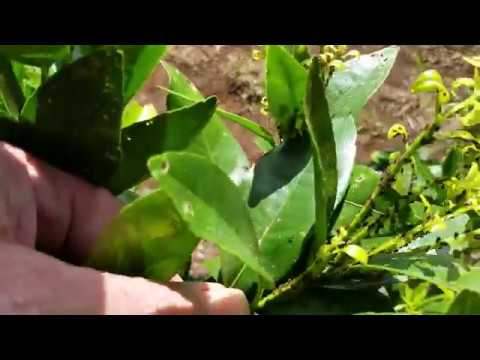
<point x="215" y="142"/>
<point x="210" y="203"/>
<point x="148" y="238"/>
<point x="78" y="116"/>
<point x="320" y="128"/>
<point x="171" y="131"/>
<point x="349" y="90"/>
<point x="362" y="183"/>
<point x="285" y="87"/>
<point x="278" y="167"/>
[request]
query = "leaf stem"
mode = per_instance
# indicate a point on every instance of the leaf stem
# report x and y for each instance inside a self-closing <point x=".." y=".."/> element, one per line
<point x="325" y="253"/>
<point x="250" y="125"/>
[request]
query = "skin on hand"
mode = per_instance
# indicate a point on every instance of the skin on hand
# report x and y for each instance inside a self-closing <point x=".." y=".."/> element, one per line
<point x="43" y="208"/>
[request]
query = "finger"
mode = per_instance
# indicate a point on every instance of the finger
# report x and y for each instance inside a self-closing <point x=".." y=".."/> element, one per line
<point x="213" y="299"/>
<point x="71" y="213"/>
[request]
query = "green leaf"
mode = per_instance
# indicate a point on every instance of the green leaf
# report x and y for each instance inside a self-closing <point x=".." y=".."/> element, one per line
<point x="300" y="52"/>
<point x="470" y="280"/>
<point x="279" y="167"/>
<point x="282" y="222"/>
<point x="466" y="303"/>
<point x="452" y="229"/>
<point x="10" y="91"/>
<point x="349" y="90"/>
<point x="331" y="302"/>
<point x="357" y="253"/>
<point x="345" y="134"/>
<point x="253" y="127"/>
<point x="29" y="77"/>
<point x="80" y="110"/>
<point x="210" y="204"/>
<point x="285" y="86"/>
<point x="170" y="131"/>
<point x="134" y="112"/>
<point x="452" y="163"/>
<point x="403" y="180"/>
<point x="148" y="238"/>
<point x="78" y="119"/>
<point x="441" y="270"/>
<point x="362" y="184"/>
<point x="320" y="128"/>
<point x="38" y="55"/>
<point x="140" y="62"/>
<point x="215" y="142"/>
<point x="250" y="125"/>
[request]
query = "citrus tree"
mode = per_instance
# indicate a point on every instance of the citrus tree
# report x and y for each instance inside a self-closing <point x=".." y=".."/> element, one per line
<point x="305" y="230"/>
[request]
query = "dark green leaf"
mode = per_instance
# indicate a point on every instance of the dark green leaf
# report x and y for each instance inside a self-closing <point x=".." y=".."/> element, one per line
<point x="37" y="55"/>
<point x="278" y="167"/>
<point x="210" y="204"/>
<point x="79" y="114"/>
<point x="170" y="131"/>
<point x="331" y="302"/>
<point x="78" y="119"/>
<point x="285" y="86"/>
<point x="452" y="163"/>
<point x="466" y="303"/>
<point x="148" y="238"/>
<point x="320" y="128"/>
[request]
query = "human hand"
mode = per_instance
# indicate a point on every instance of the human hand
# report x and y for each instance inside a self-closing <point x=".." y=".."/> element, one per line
<point x="61" y="216"/>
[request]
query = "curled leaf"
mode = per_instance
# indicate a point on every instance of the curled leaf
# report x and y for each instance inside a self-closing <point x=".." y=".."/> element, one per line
<point x="429" y="75"/>
<point x="473" y="60"/>
<point x="473" y="117"/>
<point x="398" y="130"/>
<point x="431" y="81"/>
<point x="462" y="82"/>
<point x="357" y="253"/>
<point x="257" y="55"/>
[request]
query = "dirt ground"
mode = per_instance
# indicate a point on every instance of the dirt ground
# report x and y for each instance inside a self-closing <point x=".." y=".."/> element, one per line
<point x="229" y="72"/>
